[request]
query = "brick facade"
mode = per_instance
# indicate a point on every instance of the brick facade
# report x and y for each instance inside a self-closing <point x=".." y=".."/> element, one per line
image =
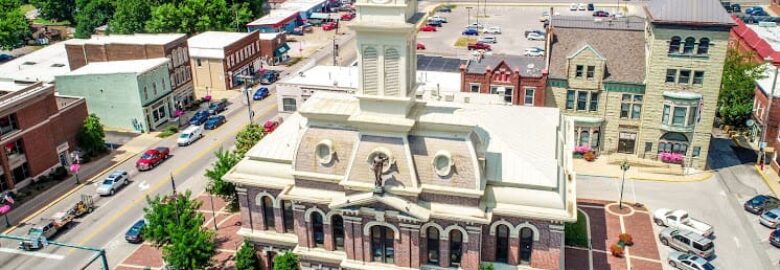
<point x="504" y="75"/>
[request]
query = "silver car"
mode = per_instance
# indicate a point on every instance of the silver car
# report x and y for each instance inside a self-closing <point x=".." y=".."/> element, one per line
<point x="770" y="218"/>
<point x="113" y="182"/>
<point x="488" y="39"/>
<point x="687" y="241"/>
<point x="684" y="261"/>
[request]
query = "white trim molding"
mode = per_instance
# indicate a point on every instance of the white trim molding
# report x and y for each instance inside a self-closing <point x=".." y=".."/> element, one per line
<point x="307" y="215"/>
<point x="367" y="228"/>
<point x="261" y="194"/>
<point x="463" y="232"/>
<point x="512" y="232"/>
<point x="530" y="226"/>
<point x="424" y="230"/>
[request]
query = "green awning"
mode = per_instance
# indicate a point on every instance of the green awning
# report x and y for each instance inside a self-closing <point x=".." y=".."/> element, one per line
<point x="321" y="16"/>
<point x="281" y="50"/>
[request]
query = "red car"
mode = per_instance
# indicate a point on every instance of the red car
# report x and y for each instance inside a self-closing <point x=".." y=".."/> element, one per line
<point x="420" y="46"/>
<point x="271" y="125"/>
<point x="152" y="158"/>
<point x="479" y="46"/>
<point x="428" y="28"/>
<point x="347" y="16"/>
<point x="330" y="26"/>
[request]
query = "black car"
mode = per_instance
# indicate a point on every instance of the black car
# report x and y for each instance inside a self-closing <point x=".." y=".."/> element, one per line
<point x="774" y="238"/>
<point x="135" y="234"/>
<point x="758" y="204"/>
<point x="444" y="9"/>
<point x="591" y="7"/>
<point x="217" y="107"/>
<point x="6" y="57"/>
<point x="269" y="77"/>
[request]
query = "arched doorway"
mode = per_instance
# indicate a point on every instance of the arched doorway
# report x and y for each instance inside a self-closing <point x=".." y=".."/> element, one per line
<point x="526" y="245"/>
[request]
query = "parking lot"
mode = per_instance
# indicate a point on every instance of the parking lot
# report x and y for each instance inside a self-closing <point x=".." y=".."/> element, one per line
<point x="513" y="21"/>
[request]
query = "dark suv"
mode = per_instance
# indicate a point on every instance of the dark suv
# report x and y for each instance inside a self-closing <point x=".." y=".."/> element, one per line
<point x="217" y="107"/>
<point x="758" y="204"/>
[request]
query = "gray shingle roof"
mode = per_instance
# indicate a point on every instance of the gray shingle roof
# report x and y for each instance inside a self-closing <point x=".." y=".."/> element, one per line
<point x="696" y="12"/>
<point x="518" y="62"/>
<point x="623" y="49"/>
<point x="631" y="22"/>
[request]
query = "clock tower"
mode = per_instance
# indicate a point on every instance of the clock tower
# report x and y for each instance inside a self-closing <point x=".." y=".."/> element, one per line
<point x="386" y="52"/>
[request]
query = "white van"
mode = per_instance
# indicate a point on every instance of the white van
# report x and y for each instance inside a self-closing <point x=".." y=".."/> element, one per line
<point x="190" y="135"/>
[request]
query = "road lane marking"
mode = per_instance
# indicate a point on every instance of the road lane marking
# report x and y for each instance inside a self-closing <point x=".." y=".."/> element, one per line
<point x="34" y="254"/>
<point x="162" y="182"/>
<point x="143" y="185"/>
<point x="736" y="241"/>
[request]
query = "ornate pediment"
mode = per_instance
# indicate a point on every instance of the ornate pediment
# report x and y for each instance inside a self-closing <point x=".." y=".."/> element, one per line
<point x="383" y="205"/>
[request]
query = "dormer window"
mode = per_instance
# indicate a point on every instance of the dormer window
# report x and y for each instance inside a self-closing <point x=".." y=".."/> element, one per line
<point x="442" y="163"/>
<point x="324" y="152"/>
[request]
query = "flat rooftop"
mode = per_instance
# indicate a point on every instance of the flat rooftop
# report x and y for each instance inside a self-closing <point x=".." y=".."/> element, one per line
<point x="155" y="39"/>
<point x="769" y="33"/>
<point x="38" y="66"/>
<point x="212" y="44"/>
<point x="113" y="67"/>
<point x="765" y="83"/>
<point x="326" y="76"/>
<point x="276" y="16"/>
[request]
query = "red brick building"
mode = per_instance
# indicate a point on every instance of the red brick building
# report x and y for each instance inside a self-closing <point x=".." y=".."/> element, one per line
<point x="37" y="131"/>
<point x="770" y="119"/>
<point x="137" y="47"/>
<point x="274" y="48"/>
<point x="520" y="79"/>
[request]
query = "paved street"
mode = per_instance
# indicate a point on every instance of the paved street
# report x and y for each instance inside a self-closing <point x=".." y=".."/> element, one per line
<point x="740" y="242"/>
<point x="105" y="227"/>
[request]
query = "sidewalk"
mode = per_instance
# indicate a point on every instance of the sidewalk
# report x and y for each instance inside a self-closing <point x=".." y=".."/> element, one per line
<point x="602" y="168"/>
<point x="89" y="173"/>
<point x="770" y="178"/>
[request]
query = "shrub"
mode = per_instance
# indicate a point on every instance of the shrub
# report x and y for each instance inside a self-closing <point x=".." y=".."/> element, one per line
<point x="488" y="266"/>
<point x="168" y="132"/>
<point x="42" y="179"/>
<point x="286" y="261"/>
<point x="616" y="250"/>
<point x="224" y="100"/>
<point x="60" y="173"/>
<point x="589" y="156"/>
<point x="626" y="239"/>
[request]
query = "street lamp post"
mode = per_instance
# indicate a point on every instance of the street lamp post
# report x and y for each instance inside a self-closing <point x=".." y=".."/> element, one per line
<point x="623" y="166"/>
<point x="247" y="79"/>
<point x="213" y="213"/>
<point x="765" y="117"/>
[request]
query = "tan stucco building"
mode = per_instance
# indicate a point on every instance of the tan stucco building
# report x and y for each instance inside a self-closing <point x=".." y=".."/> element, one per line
<point x="642" y="88"/>
<point x="219" y="59"/>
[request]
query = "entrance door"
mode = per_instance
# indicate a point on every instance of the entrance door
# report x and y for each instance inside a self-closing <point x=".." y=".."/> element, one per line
<point x="626" y="142"/>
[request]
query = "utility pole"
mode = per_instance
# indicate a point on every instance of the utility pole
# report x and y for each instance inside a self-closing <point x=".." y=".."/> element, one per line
<point x="335" y="51"/>
<point x="247" y="80"/>
<point x="765" y="116"/>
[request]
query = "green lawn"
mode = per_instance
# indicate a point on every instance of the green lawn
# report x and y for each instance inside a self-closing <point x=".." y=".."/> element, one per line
<point x="577" y="233"/>
<point x="48" y="22"/>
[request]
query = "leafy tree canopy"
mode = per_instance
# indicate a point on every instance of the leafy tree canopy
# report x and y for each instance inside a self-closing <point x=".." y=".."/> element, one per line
<point x="166" y="216"/>
<point x="247" y="138"/>
<point x="286" y="261"/>
<point x="130" y="16"/>
<point x="13" y="25"/>
<point x="190" y="248"/>
<point x="91" y="14"/>
<point x="246" y="258"/>
<point x="195" y="16"/>
<point x="91" y="137"/>
<point x="56" y="10"/>
<point x="740" y="72"/>
<point x="224" y="189"/>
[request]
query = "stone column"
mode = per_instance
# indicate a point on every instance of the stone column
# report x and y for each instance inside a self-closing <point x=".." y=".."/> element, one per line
<point x="422" y="249"/>
<point x="444" y="253"/>
<point x="514" y="250"/>
<point x="402" y="249"/>
<point x="357" y="232"/>
<point x="488" y="246"/>
<point x="278" y="219"/>
<point x="470" y="260"/>
<point x="547" y="254"/>
<point x="328" y="230"/>
<point x="349" y="239"/>
<point x="310" y="234"/>
<point x="243" y="207"/>
<point x="300" y="225"/>
<point x="415" y="248"/>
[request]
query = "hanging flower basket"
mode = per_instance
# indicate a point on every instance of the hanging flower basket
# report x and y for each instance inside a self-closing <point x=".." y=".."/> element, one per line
<point x="675" y="158"/>
<point x="580" y="151"/>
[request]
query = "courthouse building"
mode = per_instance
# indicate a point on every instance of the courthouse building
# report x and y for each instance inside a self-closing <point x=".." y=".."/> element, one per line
<point x="380" y="180"/>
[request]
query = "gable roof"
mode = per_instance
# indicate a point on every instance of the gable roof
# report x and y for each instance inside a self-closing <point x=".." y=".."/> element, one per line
<point x="516" y="62"/>
<point x="623" y="49"/>
<point x="690" y="12"/>
<point x="586" y="46"/>
<point x="395" y="202"/>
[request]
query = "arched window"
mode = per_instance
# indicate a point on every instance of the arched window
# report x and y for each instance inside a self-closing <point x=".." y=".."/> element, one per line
<point x="674" y="45"/>
<point x="584" y="138"/>
<point x="502" y="244"/>
<point x="318" y="232"/>
<point x="688" y="46"/>
<point x="456" y="247"/>
<point x="382" y="240"/>
<point x="337" y="222"/>
<point x="268" y="212"/>
<point x="526" y="245"/>
<point x="392" y="69"/>
<point x="673" y="142"/>
<point x="433" y="245"/>
<point x="287" y="216"/>
<point x="370" y="70"/>
<point x="704" y="46"/>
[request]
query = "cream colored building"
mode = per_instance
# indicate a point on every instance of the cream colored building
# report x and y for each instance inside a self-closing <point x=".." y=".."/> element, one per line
<point x="378" y="180"/>
<point x="219" y="60"/>
<point x="642" y="87"/>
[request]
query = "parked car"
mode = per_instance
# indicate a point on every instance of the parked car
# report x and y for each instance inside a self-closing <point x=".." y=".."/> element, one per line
<point x="217" y="107"/>
<point x="420" y="46"/>
<point x="428" y="28"/>
<point x="492" y="30"/>
<point x="134" y="235"/>
<point x="759" y="203"/>
<point x="573" y="7"/>
<point x="347" y="16"/>
<point x="534" y="51"/>
<point x="478" y="46"/>
<point x="190" y="135"/>
<point x="684" y="261"/>
<point x="600" y="13"/>
<point x="152" y="157"/>
<point x="770" y="218"/>
<point x="736" y="8"/>
<point x="488" y="39"/>
<point x="444" y="9"/>
<point x="438" y="18"/>
<point x="199" y="118"/>
<point x="774" y="238"/>
<point x="755" y="11"/>
<point x="687" y="241"/>
<point x="261" y="93"/>
<point x="271" y="125"/>
<point x="6" y="57"/>
<point x="470" y="32"/>
<point x="680" y="219"/>
<point x="540" y="32"/>
<point x="475" y="25"/>
<point x="535" y="36"/>
<point x="269" y="77"/>
<point x="545" y="16"/>
<point x="330" y="26"/>
<point x="113" y="182"/>
<point x="434" y="23"/>
<point x="591" y="7"/>
<point x="582" y="7"/>
<point x="214" y="122"/>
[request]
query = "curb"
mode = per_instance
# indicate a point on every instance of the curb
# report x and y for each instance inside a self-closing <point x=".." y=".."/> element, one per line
<point x="704" y="176"/>
<point x="766" y="179"/>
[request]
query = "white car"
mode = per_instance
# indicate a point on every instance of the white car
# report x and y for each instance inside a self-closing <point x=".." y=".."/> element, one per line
<point x="476" y="26"/>
<point x="573" y="7"/>
<point x="535" y="36"/>
<point x="679" y="219"/>
<point x="492" y="30"/>
<point x="534" y="51"/>
<point x="190" y="135"/>
<point x="438" y="18"/>
<point x="113" y="182"/>
<point x="488" y="39"/>
<point x="583" y="6"/>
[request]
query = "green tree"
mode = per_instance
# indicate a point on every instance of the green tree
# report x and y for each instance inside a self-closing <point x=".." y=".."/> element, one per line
<point x="218" y="186"/>
<point x="91" y="14"/>
<point x="488" y="266"/>
<point x="242" y="14"/>
<point x="166" y="215"/>
<point x="190" y="248"/>
<point x="246" y="258"/>
<point x="13" y="25"/>
<point x="192" y="16"/>
<point x="130" y="16"/>
<point x="248" y="137"/>
<point x="286" y="261"/>
<point x="255" y="6"/>
<point x="56" y="10"/>
<point x="91" y="137"/>
<point x="740" y="72"/>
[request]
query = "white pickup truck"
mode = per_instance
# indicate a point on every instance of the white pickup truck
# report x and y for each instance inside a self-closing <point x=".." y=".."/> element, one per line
<point x="679" y="219"/>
